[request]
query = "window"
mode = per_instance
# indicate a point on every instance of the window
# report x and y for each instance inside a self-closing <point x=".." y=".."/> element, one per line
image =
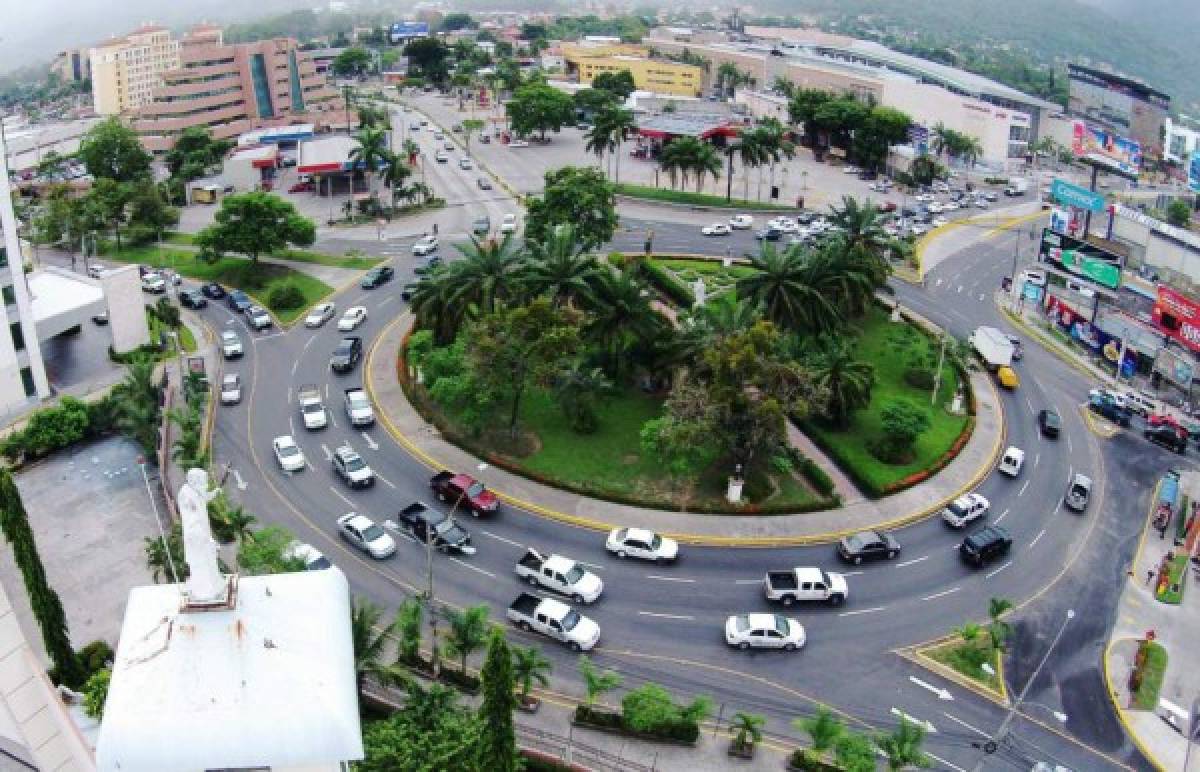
<point x="18" y="337"/>
<point x="10" y="295"/>
<point x="27" y="381"/>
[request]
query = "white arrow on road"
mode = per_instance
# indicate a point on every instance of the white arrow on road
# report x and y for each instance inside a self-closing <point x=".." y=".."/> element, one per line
<point x="927" y="725"/>
<point x="943" y="694"/>
<point x="328" y="453"/>
<point x="241" y="484"/>
<point x="372" y="444"/>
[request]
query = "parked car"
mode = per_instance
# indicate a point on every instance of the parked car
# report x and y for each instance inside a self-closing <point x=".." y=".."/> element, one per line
<point x="154" y="283"/>
<point x="346" y="355"/>
<point x="258" y="317"/>
<point x="716" y="229"/>
<point x="309" y="555"/>
<point x="481" y="225"/>
<point x="319" y="314"/>
<point x="441" y="156"/>
<point x="231" y="389"/>
<point x="231" y="345"/>
<point x="764" y="631"/>
<point x="213" y="290"/>
<point x="288" y="453"/>
<point x="985" y="545"/>
<point x="741" y="222"/>
<point x="641" y="543"/>
<point x="351" y="467"/>
<point x="96" y="270"/>
<point x="192" y="299"/>
<point x="1049" y="423"/>
<point x="484" y="183"/>
<point x="868" y="545"/>
<point x="508" y="224"/>
<point x="425" y="245"/>
<point x="380" y="274"/>
<point x="769" y="234"/>
<point x="352" y="317"/>
<point x="1078" y="493"/>
<point x="303" y="186"/>
<point x="365" y="534"/>
<point x="1170" y="437"/>
<point x="965" y="510"/>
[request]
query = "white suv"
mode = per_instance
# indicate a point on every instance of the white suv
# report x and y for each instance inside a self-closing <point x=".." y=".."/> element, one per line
<point x="425" y="245"/>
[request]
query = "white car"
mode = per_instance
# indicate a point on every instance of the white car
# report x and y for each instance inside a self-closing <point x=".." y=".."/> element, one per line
<point x="231" y="389"/>
<point x="231" y="344"/>
<point x="508" y="224"/>
<point x="319" y="315"/>
<point x="764" y="631"/>
<point x="154" y="283"/>
<point x="441" y="156"/>
<point x="938" y="222"/>
<point x="96" y="271"/>
<point x="425" y="245"/>
<point x="288" y="453"/>
<point x="936" y="208"/>
<point x="716" y="229"/>
<point x="850" y="169"/>
<point x="465" y="163"/>
<point x="965" y="509"/>
<point x="362" y="532"/>
<point x="308" y="554"/>
<point x="918" y="229"/>
<point x="950" y="206"/>
<point x="641" y="543"/>
<point x="924" y="198"/>
<point x="784" y="224"/>
<point x="518" y="143"/>
<point x="258" y="317"/>
<point x="352" y="318"/>
<point x="741" y="222"/>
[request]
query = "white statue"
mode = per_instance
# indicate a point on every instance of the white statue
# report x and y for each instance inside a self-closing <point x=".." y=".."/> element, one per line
<point x="205" y="583"/>
<point x="699" y="292"/>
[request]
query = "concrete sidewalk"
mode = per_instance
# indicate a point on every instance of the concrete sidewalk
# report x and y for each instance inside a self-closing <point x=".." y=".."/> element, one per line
<point x="425" y="443"/>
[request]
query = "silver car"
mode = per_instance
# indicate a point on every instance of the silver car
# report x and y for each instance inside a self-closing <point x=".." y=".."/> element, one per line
<point x="231" y="389"/>
<point x="319" y="315"/>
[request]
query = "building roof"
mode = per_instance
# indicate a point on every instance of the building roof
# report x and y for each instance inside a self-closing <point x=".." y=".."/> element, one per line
<point x="327" y="154"/>
<point x="294" y="132"/>
<point x="60" y="300"/>
<point x="259" y="156"/>
<point x="685" y="125"/>
<point x="267" y="684"/>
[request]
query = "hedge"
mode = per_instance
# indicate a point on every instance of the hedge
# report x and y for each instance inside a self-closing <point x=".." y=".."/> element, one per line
<point x="666" y="282"/>
<point x="817" y="477"/>
<point x="682" y="731"/>
<point x="54" y="428"/>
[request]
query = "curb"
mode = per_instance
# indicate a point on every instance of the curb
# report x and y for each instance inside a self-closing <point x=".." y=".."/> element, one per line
<point x="1121" y="715"/>
<point x="706" y="540"/>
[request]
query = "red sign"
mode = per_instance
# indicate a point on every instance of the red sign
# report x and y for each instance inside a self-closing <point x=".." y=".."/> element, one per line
<point x="1178" y="316"/>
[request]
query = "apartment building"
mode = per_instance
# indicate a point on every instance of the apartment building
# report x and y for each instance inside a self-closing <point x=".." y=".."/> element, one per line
<point x="231" y="89"/>
<point x="126" y="70"/>
<point x="590" y="58"/>
<point x="73" y="65"/>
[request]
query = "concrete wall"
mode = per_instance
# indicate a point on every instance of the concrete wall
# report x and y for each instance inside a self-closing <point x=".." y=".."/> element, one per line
<point x="126" y="308"/>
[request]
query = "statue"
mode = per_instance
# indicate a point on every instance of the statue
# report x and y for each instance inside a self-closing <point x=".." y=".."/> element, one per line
<point x="699" y="292"/>
<point x="205" y="583"/>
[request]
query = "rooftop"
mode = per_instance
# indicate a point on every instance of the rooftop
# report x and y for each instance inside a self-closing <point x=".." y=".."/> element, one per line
<point x="268" y="684"/>
<point x="327" y="154"/>
<point x="685" y="125"/>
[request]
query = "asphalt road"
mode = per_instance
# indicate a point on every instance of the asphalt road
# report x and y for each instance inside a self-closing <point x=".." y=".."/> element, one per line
<point x="664" y="623"/>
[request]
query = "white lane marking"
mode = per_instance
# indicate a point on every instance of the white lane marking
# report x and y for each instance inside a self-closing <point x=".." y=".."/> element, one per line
<point x="862" y="611"/>
<point x="1023" y="487"/>
<point x="939" y="283"/>
<point x="237" y="476"/>
<point x="747" y="581"/>
<point x="981" y="297"/>
<point x="1030" y="403"/>
<point x="665" y="616"/>
<point x="332" y="418"/>
<point x="309" y="342"/>
<point x="500" y="538"/>
<point x="1036" y="458"/>
<point x="591" y="565"/>
<point x="372" y="444"/>
<point x="912" y="720"/>
<point x="942" y="594"/>
<point x="960" y="288"/>
<point x="477" y="569"/>
<point x="328" y="453"/>
<point x="945" y="763"/>
<point x="910" y="562"/>
<point x="294" y="366"/>
<point x="289" y="395"/>
<point x="271" y="335"/>
<point x="292" y="426"/>
<point x="386" y="300"/>
<point x="847" y="573"/>
<point x="998" y="570"/>
<point x="385" y="481"/>
<point x="964" y="724"/>
<point x="1033" y="543"/>
<point x="942" y="694"/>
<point x="670" y="579"/>
<point x="1069" y="449"/>
<point x="338" y="493"/>
<point x="327" y="391"/>
<point x="1002" y="516"/>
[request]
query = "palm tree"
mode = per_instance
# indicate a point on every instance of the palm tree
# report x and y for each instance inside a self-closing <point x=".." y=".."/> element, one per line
<point x="530" y="666"/>
<point x="943" y="139"/>
<point x="862" y="232"/>
<point x="372" y="117"/>
<point x="823" y="728"/>
<point x="233" y="521"/>
<point x="467" y="633"/>
<point x="776" y="146"/>
<point x="706" y="161"/>
<point x="748" y="727"/>
<point x="613" y="124"/>
<point x="968" y="631"/>
<point x="596" y="682"/>
<point x="166" y="561"/>
<point x="847" y="381"/>
<point x="728" y="315"/>
<point x="621" y="315"/>
<point x="371" y="150"/>
<point x="558" y="267"/>
<point x="435" y="305"/>
<point x="370" y="640"/>
<point x="970" y="150"/>
<point x="903" y="746"/>
<point x="751" y="152"/>
<point x="673" y="161"/>
<point x="394" y="174"/>
<point x="686" y="156"/>
<point x="924" y="169"/>
<point x="487" y="274"/>
<point x="785" y="285"/>
<point x="578" y="389"/>
<point x="999" y="630"/>
<point x="137" y="405"/>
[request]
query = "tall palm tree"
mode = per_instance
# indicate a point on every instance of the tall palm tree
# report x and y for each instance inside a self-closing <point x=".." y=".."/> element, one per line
<point x="138" y="409"/>
<point x="467" y="632"/>
<point x="621" y="316"/>
<point x="530" y="666"/>
<point x="970" y="150"/>
<point x="902" y="747"/>
<point x="706" y="162"/>
<point x="435" y="306"/>
<point x="999" y="630"/>
<point x="394" y="174"/>
<point x="166" y="562"/>
<point x="862" y="232"/>
<point x="675" y="163"/>
<point x="559" y="268"/>
<point x="751" y="152"/>
<point x="943" y="139"/>
<point x="610" y="127"/>
<point x="776" y="146"/>
<point x="370" y="639"/>
<point x="789" y="290"/>
<point x="487" y="273"/>
<point x="847" y="381"/>
<point x="371" y="150"/>
<point x="728" y="315"/>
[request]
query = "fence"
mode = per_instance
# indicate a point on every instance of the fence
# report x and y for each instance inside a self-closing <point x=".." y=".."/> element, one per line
<point x="570" y="751"/>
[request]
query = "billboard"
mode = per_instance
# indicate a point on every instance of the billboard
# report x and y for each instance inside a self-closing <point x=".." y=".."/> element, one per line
<point x="1193" y="172"/>
<point x="1178" y="316"/>
<point x="1081" y="259"/>
<point x="407" y="30"/>
<point x="1074" y="195"/>
<point x="1122" y="105"/>
<point x="1104" y="148"/>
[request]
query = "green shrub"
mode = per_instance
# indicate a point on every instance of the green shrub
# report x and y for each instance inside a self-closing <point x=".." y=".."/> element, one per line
<point x="285" y="297"/>
<point x="144" y="351"/>
<point x="96" y="656"/>
<point x="817" y="477"/>
<point x="666" y="282"/>
<point x="95" y="692"/>
<point x="919" y="377"/>
<point x="48" y="430"/>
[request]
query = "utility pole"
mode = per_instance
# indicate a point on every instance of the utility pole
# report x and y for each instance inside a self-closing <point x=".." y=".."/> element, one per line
<point x="431" y="610"/>
<point x="937" y="375"/>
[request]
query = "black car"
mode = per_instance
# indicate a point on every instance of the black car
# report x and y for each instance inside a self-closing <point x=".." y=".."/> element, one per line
<point x="377" y="276"/>
<point x="868" y="545"/>
<point x="1168" y="436"/>
<point x="346" y="355"/>
<point x="213" y="290"/>
<point x="1049" y="423"/>
<point x="192" y="299"/>
<point x="239" y="301"/>
<point x="984" y="545"/>
<point x="442" y="531"/>
<point x="769" y="234"/>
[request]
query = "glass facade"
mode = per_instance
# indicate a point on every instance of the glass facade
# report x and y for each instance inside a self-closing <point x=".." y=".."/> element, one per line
<point x="262" y="86"/>
<point x="297" y="91"/>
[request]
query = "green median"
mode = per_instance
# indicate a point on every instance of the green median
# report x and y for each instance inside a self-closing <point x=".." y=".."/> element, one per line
<point x="669" y="196"/>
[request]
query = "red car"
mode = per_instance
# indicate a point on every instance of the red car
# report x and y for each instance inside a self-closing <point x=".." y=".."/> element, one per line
<point x="463" y="489"/>
<point x="301" y="187"/>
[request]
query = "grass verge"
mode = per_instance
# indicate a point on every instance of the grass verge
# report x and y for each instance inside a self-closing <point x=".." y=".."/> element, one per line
<point x="696" y="199"/>
<point x="1153" y="670"/>
<point x="257" y="279"/>
<point x="967" y="658"/>
<point x="1172" y="591"/>
<point x="355" y="261"/>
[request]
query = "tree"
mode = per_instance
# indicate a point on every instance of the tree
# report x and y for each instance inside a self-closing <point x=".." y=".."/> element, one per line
<point x="95" y="692"/>
<point x="457" y="21"/>
<point x="467" y="632"/>
<point x="530" y="666"/>
<point x="254" y="224"/>
<point x="788" y="286"/>
<point x="903" y="746"/>
<point x="558" y="268"/>
<point x="751" y="152"/>
<point x="621" y="316"/>
<point x="267" y="552"/>
<point x="824" y="728"/>
<point x="107" y="203"/>
<point x="486" y="275"/>
<point x="596" y="682"/>
<point x="968" y="631"/>
<point x="882" y="128"/>
<point x="430" y="733"/>
<point x="165" y="561"/>
<point x="370" y="151"/>
<point x="373" y="118"/>
<point x="194" y="152"/>
<point x="43" y="600"/>
<point x="427" y="59"/>
<point x="574" y="195"/>
<point x="408" y="631"/>
<point x="998" y="629"/>
<point x="591" y="101"/>
<point x="902" y="422"/>
<point x="1179" y="213"/>
<point x="148" y="209"/>
<point x="854" y="753"/>
<point x="748" y="729"/>
<point x="611" y="125"/>
<point x="539" y="108"/>
<point x="619" y="83"/>
<point x="846" y="381"/>
<point x="776" y="146"/>
<point x="802" y="110"/>
<point x="434" y="302"/>
<point x="395" y="172"/>
<point x="137" y="405"/>
<point x="690" y="156"/>
<point x="471" y="127"/>
<point x="111" y="150"/>
<point x="650" y="707"/>
<point x="924" y="169"/>
<point x="578" y="388"/>
<point x="353" y="61"/>
<point x="370" y="640"/>
<point x="497" y="741"/>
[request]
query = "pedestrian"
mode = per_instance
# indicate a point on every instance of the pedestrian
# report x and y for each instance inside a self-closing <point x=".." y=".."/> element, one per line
<point x="1149" y="577"/>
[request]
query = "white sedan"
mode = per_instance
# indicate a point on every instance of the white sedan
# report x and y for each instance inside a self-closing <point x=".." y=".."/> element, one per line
<point x="950" y="206"/>
<point x="741" y="222"/>
<point x="936" y="208"/>
<point x="319" y="315"/>
<point x="508" y="224"/>
<point x="965" y="509"/>
<point x="764" y="631"/>
<point x="938" y="222"/>
<point x="352" y="318"/>
<point x="641" y="543"/>
<point x="231" y="389"/>
<point x="518" y="143"/>
<point x="288" y="454"/>
<point x="362" y="532"/>
<point x="716" y="229"/>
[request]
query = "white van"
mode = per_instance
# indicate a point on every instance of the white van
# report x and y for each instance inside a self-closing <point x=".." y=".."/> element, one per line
<point x="1012" y="461"/>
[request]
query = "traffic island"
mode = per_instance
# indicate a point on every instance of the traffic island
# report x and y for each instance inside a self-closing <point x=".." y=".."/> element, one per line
<point x="966" y="662"/>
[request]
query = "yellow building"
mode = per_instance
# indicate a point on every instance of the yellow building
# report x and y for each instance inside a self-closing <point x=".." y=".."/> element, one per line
<point x="126" y="70"/>
<point x="660" y="77"/>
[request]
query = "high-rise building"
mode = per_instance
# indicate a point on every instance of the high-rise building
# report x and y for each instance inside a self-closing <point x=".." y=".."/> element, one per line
<point x="231" y="89"/>
<point x="1124" y="106"/>
<point x="126" y="70"/>
<point x="73" y="65"/>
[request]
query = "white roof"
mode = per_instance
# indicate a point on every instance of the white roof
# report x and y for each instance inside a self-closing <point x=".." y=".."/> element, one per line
<point x="640" y="534"/>
<point x="558" y="563"/>
<point x="268" y="684"/>
<point x="760" y="621"/>
<point x="555" y="609"/>
<point x="59" y="298"/>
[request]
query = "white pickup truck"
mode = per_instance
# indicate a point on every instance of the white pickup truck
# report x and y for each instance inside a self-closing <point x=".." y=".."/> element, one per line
<point x="311" y="409"/>
<point x="554" y="619"/>
<point x="561" y="575"/>
<point x="358" y="408"/>
<point x="805" y="583"/>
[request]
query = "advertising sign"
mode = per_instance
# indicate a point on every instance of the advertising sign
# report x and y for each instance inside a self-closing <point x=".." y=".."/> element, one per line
<point x="1073" y="195"/>
<point x="1075" y="325"/>
<point x="1178" y="316"/>
<point x="1104" y="148"/>
<point x="407" y="30"/>
<point x="1194" y="172"/>
<point x="1080" y="258"/>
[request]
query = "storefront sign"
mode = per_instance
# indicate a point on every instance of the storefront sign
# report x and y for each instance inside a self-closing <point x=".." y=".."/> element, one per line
<point x="1080" y="259"/>
<point x="1178" y="316"/>
<point x="1074" y="195"/>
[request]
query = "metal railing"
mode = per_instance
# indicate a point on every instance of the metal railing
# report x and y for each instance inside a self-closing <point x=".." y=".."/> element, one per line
<point x="570" y="751"/>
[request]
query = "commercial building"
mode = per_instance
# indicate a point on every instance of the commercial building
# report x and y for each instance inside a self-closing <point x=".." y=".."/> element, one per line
<point x="232" y="89"/>
<point x="1124" y="106"/>
<point x="1182" y="138"/>
<point x="126" y="70"/>
<point x="588" y="59"/>
<point x="73" y="65"/>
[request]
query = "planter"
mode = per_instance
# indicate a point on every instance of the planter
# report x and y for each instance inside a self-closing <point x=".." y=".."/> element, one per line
<point x="743" y="751"/>
<point x="618" y="728"/>
<point x="528" y="704"/>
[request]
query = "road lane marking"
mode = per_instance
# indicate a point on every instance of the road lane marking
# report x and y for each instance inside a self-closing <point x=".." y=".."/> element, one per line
<point x="1069" y="448"/>
<point x="845" y="573"/>
<point x="500" y="538"/>
<point x="910" y="562"/>
<point x="385" y="481"/>
<point x="666" y="616"/>
<point x="964" y="724"/>
<point x="386" y="300"/>
<point x="942" y="594"/>
<point x="912" y="720"/>
<point x="942" y="694"/>
<point x="292" y="426"/>
<point x="998" y="570"/>
<point x="862" y="611"/>
<point x="338" y="493"/>
<point x="670" y="579"/>
<point x="944" y="763"/>
<point x="747" y="581"/>
<point x="1002" y="516"/>
<point x="372" y="444"/>
<point x="289" y="395"/>
<point x="1023" y="487"/>
<point x="477" y="569"/>
<point x="328" y="453"/>
<point x="1030" y="403"/>
<point x="1033" y="543"/>
<point x="591" y="565"/>
<point x="1036" y="458"/>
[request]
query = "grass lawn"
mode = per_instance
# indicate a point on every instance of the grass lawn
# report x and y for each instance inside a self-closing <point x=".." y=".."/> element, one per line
<point x="355" y="261"/>
<point x="1175" y="571"/>
<point x="966" y="657"/>
<point x="698" y="199"/>
<point x="1152" y="677"/>
<point x="716" y="277"/>
<point x="889" y="346"/>
<point x="256" y="279"/>
<point x="179" y="238"/>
